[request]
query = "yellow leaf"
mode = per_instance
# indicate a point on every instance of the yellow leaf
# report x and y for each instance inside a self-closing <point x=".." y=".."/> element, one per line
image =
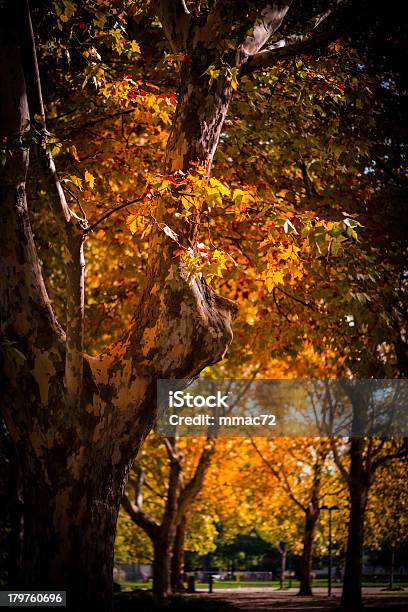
<point x="234" y="78"/>
<point x="100" y="19"/>
<point x="290" y="252"/>
<point x="223" y="190"/>
<point x="74" y="152"/>
<point x="76" y="180"/>
<point x="133" y="226"/>
<point x="269" y="284"/>
<point x="275" y="277"/>
<point x="90" y="179"/>
<point x="163" y="185"/>
<point x="278" y="277"/>
<point x="186" y="203"/>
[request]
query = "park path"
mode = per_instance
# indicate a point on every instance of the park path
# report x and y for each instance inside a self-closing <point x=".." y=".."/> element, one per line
<point x="270" y="600"/>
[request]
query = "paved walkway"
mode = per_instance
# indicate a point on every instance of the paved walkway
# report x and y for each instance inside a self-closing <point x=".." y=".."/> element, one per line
<point x="272" y="600"/>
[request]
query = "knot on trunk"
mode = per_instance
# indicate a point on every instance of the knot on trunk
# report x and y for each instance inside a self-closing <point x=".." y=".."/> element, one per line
<point x="215" y="314"/>
<point x="189" y="328"/>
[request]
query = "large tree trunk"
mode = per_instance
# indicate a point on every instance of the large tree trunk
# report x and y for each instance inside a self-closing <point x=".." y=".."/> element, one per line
<point x="307" y="553"/>
<point x="11" y="517"/>
<point x="69" y="531"/>
<point x="177" y="559"/>
<point x="162" y="547"/>
<point x="200" y="115"/>
<point x="75" y="455"/>
<point x="161" y="535"/>
<point x="359" y="485"/>
<point x="16" y="514"/>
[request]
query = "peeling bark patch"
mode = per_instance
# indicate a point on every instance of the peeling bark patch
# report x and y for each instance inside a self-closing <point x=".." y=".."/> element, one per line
<point x="43" y="370"/>
<point x="148" y="339"/>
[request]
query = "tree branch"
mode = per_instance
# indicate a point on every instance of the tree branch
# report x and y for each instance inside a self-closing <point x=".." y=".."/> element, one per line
<point x="340" y="465"/>
<point x="110" y="212"/>
<point x="175" y="19"/>
<point x="279" y="476"/>
<point x="72" y="226"/>
<point x="170" y="445"/>
<point x="296" y="299"/>
<point x="140" y="518"/>
<point x="192" y="489"/>
<point x="173" y="488"/>
<point x="138" y="487"/>
<point x="24" y="303"/>
<point x="270" y="21"/>
<point x="278" y="308"/>
<point x="401" y="453"/>
<point x="71" y="130"/>
<point x="55" y="192"/>
<point x="294" y="44"/>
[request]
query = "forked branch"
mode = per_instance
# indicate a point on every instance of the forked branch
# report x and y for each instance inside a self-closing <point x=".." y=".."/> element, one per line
<point x="307" y="40"/>
<point x="271" y="19"/>
<point x="72" y="226"/>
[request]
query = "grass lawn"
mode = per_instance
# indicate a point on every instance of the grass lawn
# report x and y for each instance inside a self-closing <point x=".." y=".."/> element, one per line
<point x="235" y="584"/>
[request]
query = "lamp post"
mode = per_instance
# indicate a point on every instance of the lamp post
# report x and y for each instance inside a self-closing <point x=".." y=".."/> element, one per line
<point x="330" y="510"/>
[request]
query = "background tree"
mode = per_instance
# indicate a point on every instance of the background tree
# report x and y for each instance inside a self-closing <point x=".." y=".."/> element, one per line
<point x="386" y="520"/>
<point x="366" y="456"/>
<point x="302" y="469"/>
<point x="168" y="532"/>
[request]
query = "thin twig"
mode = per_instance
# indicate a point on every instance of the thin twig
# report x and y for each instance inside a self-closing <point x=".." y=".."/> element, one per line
<point x="278" y="308"/>
<point x="292" y="297"/>
<point x="112" y="211"/>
